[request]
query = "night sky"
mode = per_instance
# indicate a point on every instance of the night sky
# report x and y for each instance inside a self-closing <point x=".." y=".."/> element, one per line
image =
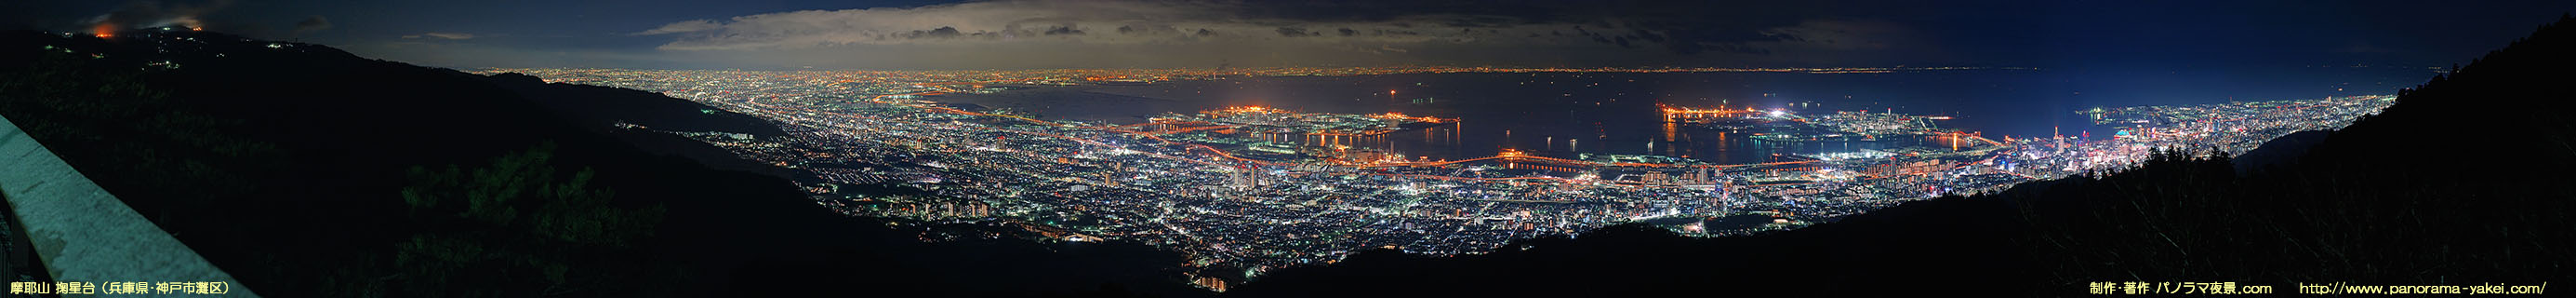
<point x="2101" y="35"/>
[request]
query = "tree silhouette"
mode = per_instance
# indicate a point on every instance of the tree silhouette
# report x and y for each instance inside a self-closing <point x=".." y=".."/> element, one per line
<point x="515" y="222"/>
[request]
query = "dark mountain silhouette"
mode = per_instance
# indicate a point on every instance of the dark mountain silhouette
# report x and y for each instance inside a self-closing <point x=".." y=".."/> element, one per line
<point x="2463" y="181"/>
<point x="308" y="172"/>
<point x="2278" y="151"/>
<point x="597" y="105"/>
<point x="604" y="106"/>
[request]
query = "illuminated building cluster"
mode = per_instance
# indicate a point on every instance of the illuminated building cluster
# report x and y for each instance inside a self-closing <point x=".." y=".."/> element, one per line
<point x="1261" y="187"/>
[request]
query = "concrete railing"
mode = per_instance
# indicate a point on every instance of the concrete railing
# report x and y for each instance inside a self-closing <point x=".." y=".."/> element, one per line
<point x="83" y="234"/>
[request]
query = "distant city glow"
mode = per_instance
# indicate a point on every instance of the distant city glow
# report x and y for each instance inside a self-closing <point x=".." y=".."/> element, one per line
<point x="1251" y="174"/>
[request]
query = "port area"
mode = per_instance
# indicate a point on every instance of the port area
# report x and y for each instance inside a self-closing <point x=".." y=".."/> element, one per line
<point x="1357" y="143"/>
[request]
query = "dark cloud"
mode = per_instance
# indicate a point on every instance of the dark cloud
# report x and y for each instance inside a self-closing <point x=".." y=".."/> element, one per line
<point x="212" y="15"/>
<point x="1679" y="28"/>
<point x="310" y="24"/>
<point x="1066" y="30"/>
<point x="1467" y="13"/>
<point x="941" y="32"/>
<point x="1293" y="32"/>
<point x="441" y="35"/>
<point x="140" y="14"/>
<point x="1152" y="31"/>
<point x="1527" y="32"/>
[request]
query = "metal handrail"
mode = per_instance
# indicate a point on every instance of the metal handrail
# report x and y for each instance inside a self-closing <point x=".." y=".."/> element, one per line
<point x="80" y="233"/>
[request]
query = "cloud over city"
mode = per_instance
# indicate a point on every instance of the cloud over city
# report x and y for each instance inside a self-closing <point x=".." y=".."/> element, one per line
<point x="1406" y="29"/>
<point x="440" y="35"/>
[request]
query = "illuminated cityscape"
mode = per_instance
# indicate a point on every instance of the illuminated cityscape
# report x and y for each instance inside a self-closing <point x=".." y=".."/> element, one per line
<point x="1285" y="148"/>
<point x="1263" y="187"/>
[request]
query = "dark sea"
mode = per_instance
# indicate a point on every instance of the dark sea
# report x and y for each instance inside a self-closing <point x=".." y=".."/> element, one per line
<point x="1564" y="114"/>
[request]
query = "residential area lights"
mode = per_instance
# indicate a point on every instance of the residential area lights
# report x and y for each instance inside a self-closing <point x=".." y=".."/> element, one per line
<point x="1231" y="186"/>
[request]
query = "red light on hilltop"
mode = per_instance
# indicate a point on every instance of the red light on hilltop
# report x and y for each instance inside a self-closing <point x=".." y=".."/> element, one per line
<point x="104" y="30"/>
